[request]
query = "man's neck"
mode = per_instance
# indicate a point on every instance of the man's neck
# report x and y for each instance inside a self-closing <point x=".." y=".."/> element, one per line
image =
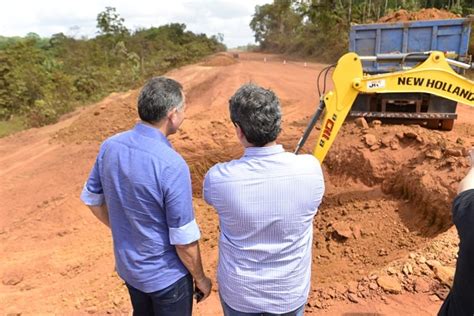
<point x="248" y="145"/>
<point x="159" y="126"/>
<point x="270" y="144"/>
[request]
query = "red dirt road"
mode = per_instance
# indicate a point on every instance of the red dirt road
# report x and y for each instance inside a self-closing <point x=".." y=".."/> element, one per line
<point x="392" y="196"/>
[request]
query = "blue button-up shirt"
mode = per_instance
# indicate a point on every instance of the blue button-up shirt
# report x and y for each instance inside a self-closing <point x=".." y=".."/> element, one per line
<point x="266" y="202"/>
<point x="146" y="186"/>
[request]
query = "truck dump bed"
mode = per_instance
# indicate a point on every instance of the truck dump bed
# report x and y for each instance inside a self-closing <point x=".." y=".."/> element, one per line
<point x="449" y="36"/>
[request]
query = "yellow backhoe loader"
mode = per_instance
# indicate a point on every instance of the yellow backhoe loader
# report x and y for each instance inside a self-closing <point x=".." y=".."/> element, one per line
<point x="433" y="75"/>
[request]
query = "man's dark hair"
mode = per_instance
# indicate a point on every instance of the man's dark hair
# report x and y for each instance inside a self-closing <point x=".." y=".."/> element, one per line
<point x="157" y="97"/>
<point x="257" y="111"/>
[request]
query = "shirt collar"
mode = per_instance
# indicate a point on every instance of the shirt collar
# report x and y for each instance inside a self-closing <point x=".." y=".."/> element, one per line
<point x="151" y="132"/>
<point x="263" y="151"/>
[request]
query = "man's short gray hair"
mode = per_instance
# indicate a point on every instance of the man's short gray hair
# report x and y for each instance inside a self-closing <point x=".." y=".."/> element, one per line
<point x="157" y="97"/>
<point x="257" y="111"/>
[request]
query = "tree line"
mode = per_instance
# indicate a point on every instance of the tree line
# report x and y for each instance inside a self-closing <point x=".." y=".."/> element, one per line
<point x="320" y="28"/>
<point x="42" y="78"/>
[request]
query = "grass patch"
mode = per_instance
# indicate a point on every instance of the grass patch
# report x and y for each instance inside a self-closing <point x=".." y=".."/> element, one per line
<point x="14" y="125"/>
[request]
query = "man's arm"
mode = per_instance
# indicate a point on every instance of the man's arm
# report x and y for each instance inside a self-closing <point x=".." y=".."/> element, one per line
<point x="468" y="182"/>
<point x="101" y="212"/>
<point x="190" y="255"/>
<point x="183" y="230"/>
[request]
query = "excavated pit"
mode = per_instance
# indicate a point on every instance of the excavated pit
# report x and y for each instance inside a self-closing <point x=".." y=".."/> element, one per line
<point x="359" y="230"/>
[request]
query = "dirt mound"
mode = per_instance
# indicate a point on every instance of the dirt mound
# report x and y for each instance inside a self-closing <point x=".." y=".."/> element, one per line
<point x="118" y="112"/>
<point x="202" y="88"/>
<point x="220" y="59"/>
<point x="423" y="14"/>
<point x="412" y="163"/>
<point x="115" y="113"/>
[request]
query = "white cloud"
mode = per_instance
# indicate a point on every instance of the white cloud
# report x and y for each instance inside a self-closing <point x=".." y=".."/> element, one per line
<point x="229" y="17"/>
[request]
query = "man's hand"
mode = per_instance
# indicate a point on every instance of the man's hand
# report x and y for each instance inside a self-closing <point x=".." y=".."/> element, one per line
<point x="190" y="256"/>
<point x="205" y="286"/>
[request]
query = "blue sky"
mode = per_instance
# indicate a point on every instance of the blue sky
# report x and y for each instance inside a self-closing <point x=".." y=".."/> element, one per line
<point x="78" y="18"/>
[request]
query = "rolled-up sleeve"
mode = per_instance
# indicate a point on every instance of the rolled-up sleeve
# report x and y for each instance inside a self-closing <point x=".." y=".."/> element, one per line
<point x="92" y="192"/>
<point x="185" y="234"/>
<point x="91" y="198"/>
<point x="182" y="225"/>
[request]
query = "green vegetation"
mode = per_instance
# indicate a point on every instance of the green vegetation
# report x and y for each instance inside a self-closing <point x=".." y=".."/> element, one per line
<point x="13" y="125"/>
<point x="43" y="78"/>
<point x="319" y="28"/>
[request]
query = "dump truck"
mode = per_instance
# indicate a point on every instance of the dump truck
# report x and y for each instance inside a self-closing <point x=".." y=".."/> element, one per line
<point x="400" y="46"/>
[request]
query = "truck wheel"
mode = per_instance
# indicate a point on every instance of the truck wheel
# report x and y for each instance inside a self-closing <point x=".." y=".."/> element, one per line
<point x="447" y="125"/>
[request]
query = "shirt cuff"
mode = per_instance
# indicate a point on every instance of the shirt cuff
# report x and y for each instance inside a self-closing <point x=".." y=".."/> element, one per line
<point x="90" y="198"/>
<point x="186" y="234"/>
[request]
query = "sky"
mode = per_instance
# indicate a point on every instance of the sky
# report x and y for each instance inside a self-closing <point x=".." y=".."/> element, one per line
<point x="78" y="17"/>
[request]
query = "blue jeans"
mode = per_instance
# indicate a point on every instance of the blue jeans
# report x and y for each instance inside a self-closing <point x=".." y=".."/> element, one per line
<point x="175" y="300"/>
<point x="228" y="311"/>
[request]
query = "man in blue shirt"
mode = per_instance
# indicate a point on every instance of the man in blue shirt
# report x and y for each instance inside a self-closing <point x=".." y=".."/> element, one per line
<point x="141" y="188"/>
<point x="266" y="202"/>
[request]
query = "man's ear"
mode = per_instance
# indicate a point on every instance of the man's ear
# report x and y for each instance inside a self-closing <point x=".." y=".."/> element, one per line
<point x="171" y="115"/>
<point x="239" y="133"/>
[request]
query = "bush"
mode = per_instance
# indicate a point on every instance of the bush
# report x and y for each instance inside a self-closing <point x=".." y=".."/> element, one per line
<point x="41" y="114"/>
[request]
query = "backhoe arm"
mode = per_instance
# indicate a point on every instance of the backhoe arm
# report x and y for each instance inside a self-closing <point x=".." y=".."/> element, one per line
<point x="434" y="76"/>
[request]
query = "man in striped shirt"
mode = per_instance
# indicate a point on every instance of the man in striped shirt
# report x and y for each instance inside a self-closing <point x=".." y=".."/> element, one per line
<point x="266" y="202"/>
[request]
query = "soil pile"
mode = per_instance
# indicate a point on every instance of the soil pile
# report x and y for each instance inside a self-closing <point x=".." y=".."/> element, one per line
<point x="220" y="59"/>
<point x="423" y="14"/>
<point x="117" y="112"/>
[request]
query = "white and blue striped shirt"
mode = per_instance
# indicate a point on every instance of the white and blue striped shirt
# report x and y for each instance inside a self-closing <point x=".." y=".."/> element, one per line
<point x="266" y="202"/>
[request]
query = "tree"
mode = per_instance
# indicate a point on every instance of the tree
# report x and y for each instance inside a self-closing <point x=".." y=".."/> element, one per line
<point x="275" y="24"/>
<point x="109" y="22"/>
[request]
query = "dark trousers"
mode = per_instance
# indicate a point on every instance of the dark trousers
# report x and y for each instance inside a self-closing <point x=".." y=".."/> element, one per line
<point x="175" y="300"/>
